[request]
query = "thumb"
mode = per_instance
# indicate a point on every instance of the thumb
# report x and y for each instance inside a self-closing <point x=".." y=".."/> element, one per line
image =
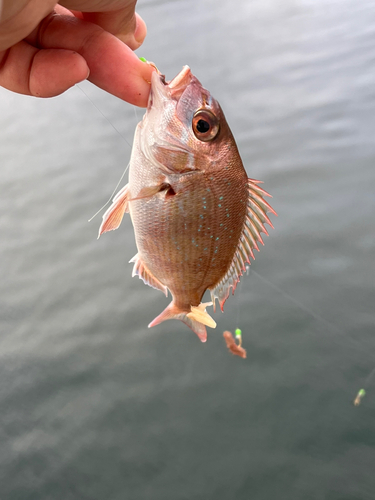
<point x="129" y="27"/>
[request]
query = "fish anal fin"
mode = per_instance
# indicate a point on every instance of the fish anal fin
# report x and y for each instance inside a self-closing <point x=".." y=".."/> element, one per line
<point x="254" y="224"/>
<point x="193" y="318"/>
<point x="113" y="216"/>
<point x="230" y="279"/>
<point x="144" y="274"/>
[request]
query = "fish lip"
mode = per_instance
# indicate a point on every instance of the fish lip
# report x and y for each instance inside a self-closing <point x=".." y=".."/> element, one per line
<point x="181" y="80"/>
<point x="164" y="97"/>
<point x="178" y="85"/>
<point x="158" y="85"/>
<point x="175" y="87"/>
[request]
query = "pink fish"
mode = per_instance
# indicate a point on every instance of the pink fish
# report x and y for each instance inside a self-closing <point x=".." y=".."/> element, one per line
<point x="197" y="217"/>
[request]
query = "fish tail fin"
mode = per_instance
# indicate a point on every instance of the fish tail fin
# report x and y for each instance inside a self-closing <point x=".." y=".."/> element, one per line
<point x="200" y="314"/>
<point x="196" y="318"/>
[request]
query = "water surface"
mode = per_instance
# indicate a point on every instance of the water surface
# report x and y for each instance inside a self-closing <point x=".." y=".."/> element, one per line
<point x="93" y="404"/>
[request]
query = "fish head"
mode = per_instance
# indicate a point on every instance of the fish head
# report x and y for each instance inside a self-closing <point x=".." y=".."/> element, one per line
<point x="184" y="125"/>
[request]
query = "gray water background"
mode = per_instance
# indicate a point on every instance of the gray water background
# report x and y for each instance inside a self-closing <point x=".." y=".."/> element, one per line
<point x="93" y="404"/>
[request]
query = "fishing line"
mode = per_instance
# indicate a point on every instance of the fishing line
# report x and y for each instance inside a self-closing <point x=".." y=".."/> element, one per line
<point x="135" y="114"/>
<point x="317" y="317"/>
<point x="238" y="303"/>
<point x="103" y="115"/>
<point x="329" y="326"/>
<point x="113" y="192"/>
<point x="120" y="134"/>
<point x="369" y="377"/>
<point x="298" y="303"/>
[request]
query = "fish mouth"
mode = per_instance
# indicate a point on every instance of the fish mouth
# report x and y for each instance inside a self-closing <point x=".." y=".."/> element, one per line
<point x="180" y="82"/>
<point x="175" y="87"/>
<point x="163" y="100"/>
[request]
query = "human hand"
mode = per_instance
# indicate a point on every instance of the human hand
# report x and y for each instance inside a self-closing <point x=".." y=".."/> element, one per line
<point x="46" y="48"/>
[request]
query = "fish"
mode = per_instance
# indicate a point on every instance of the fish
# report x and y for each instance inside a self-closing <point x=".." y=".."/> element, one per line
<point x="197" y="217"/>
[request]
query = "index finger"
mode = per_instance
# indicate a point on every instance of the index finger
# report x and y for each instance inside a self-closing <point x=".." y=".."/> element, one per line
<point x="114" y="67"/>
<point x="115" y="16"/>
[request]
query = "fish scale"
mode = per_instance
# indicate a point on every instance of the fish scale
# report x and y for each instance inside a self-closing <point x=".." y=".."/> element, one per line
<point x="197" y="217"/>
<point x="188" y="267"/>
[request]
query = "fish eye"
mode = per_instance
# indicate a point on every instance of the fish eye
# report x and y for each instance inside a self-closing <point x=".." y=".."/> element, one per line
<point x="205" y="125"/>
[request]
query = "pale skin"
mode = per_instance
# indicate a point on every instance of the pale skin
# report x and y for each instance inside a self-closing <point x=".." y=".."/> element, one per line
<point x="48" y="47"/>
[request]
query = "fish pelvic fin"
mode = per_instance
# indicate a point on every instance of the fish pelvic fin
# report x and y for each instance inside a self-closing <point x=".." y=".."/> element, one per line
<point x="113" y="216"/>
<point x="144" y="274"/>
<point x="196" y="318"/>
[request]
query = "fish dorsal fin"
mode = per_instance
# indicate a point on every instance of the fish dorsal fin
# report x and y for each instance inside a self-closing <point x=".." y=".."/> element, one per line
<point x="256" y="217"/>
<point x="113" y="216"/>
<point x="144" y="274"/>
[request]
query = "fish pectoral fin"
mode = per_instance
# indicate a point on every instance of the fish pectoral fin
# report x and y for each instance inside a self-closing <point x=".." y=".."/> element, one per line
<point x="150" y="191"/>
<point x="196" y="318"/>
<point x="144" y="274"/>
<point x="199" y="313"/>
<point x="113" y="216"/>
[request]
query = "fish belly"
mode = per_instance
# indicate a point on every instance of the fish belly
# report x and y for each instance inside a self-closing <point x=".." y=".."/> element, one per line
<point x="188" y="240"/>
